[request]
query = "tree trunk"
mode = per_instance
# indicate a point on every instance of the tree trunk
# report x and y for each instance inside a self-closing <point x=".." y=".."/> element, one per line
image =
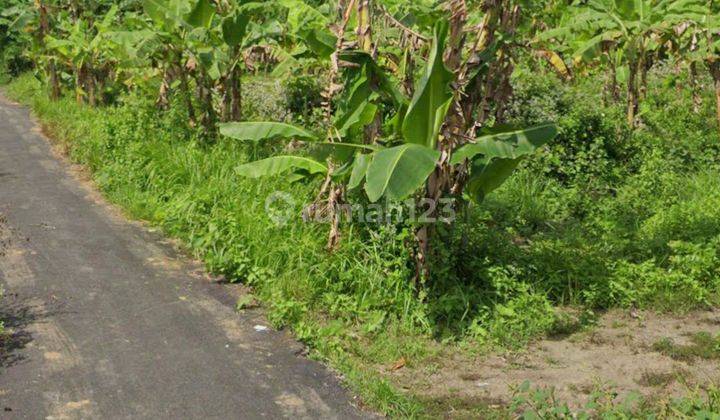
<point x="632" y="93"/>
<point x="236" y="93"/>
<point x="678" y="72"/>
<point x="231" y="98"/>
<point x="79" y="78"/>
<point x="364" y="26"/>
<point x="90" y="86"/>
<point x="614" y="91"/>
<point x="717" y="96"/>
<point x="185" y="88"/>
<point x="51" y="70"/>
<point x="408" y="80"/>
<point x="715" y="72"/>
<point x="611" y="94"/>
<point x="162" y="101"/>
<point x="364" y="34"/>
<point x="644" y="67"/>
<point x="696" y="98"/>
<point x="205" y="94"/>
<point x="226" y="101"/>
<point x="54" y="81"/>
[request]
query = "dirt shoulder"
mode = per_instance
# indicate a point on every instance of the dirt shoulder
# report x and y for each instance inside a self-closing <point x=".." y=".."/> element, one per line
<point x="657" y="356"/>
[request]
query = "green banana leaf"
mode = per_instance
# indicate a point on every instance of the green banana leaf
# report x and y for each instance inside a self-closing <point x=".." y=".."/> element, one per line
<point x="508" y="143"/>
<point x="279" y="164"/>
<point x="433" y="95"/>
<point x="380" y="81"/>
<point x="260" y="131"/>
<point x="488" y="175"/>
<point x="360" y="167"/>
<point x="234" y="27"/>
<point x="201" y="14"/>
<point x="399" y="171"/>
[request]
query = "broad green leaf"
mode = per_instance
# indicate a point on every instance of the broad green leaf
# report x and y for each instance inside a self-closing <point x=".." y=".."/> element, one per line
<point x="379" y="79"/>
<point x="399" y="171"/>
<point x="351" y="146"/>
<point x="629" y="9"/>
<point x="201" y="14"/>
<point x="486" y="176"/>
<point x="338" y="151"/>
<point x="320" y="41"/>
<point x="108" y="19"/>
<point x="301" y="15"/>
<point x="554" y="33"/>
<point x="285" y="67"/>
<point x="622" y="74"/>
<point x="507" y="144"/>
<point x="167" y="14"/>
<point x="430" y="104"/>
<point x="233" y="28"/>
<point x="156" y="10"/>
<point x="359" y="170"/>
<point x="279" y="164"/>
<point x="259" y="131"/>
<point x="358" y="110"/>
<point x="592" y="48"/>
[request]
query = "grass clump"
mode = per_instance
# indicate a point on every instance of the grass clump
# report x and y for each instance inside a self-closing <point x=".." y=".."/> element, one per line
<point x="703" y="345"/>
<point x="657" y="379"/>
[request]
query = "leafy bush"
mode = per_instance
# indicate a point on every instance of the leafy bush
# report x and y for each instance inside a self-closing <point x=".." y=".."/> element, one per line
<point x="303" y="97"/>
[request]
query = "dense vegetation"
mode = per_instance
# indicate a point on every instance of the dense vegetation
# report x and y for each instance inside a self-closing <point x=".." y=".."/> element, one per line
<point x="192" y="114"/>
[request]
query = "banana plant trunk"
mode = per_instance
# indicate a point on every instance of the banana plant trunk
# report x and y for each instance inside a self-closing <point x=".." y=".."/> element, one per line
<point x="717" y="97"/>
<point x="614" y="90"/>
<point x="364" y="26"/>
<point x="205" y="94"/>
<point x="715" y="72"/>
<point x="185" y="88"/>
<point x="611" y="95"/>
<point x="644" y="67"/>
<point x="232" y="91"/>
<point x="55" y="91"/>
<point x="79" y="78"/>
<point x="90" y="86"/>
<point x="696" y="98"/>
<point x="236" y="94"/>
<point x="632" y="93"/>
<point x="50" y="69"/>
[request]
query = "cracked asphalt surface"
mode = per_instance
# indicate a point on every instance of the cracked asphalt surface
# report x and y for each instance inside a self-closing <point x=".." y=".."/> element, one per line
<point x="106" y="321"/>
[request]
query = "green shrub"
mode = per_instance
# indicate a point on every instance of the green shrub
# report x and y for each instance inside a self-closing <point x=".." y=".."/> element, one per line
<point x="303" y="97"/>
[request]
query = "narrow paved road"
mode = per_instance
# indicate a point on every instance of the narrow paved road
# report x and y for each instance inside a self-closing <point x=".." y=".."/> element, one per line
<point x="108" y="323"/>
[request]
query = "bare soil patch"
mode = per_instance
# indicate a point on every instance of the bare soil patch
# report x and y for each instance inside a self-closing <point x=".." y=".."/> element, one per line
<point x="619" y="354"/>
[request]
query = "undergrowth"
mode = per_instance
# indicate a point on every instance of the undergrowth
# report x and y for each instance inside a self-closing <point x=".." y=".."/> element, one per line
<point x="602" y="218"/>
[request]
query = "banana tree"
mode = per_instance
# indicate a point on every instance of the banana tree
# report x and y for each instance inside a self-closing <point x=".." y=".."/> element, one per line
<point x="170" y="23"/>
<point x="632" y="27"/>
<point x="704" y="36"/>
<point x="35" y="19"/>
<point x="84" y="50"/>
<point x="405" y="162"/>
<point x="204" y="43"/>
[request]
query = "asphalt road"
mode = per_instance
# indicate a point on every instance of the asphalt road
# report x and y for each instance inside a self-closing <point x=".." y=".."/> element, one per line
<point x="108" y="321"/>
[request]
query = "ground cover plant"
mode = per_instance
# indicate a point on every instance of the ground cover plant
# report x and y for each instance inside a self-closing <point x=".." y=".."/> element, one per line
<point x="569" y="198"/>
